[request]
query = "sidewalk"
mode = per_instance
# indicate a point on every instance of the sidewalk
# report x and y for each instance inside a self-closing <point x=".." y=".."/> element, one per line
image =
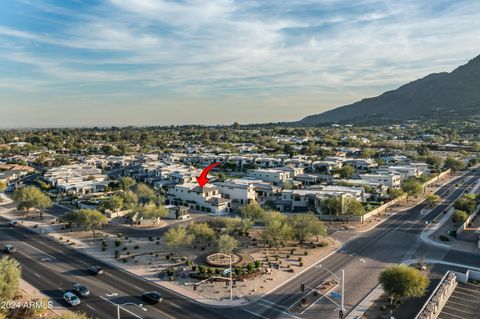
<point x="431" y="234"/>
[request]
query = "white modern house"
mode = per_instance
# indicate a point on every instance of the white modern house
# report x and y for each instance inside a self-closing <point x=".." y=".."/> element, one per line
<point x="310" y="200"/>
<point x="276" y="176"/>
<point x="389" y="179"/>
<point x="206" y="199"/>
<point x="239" y="191"/>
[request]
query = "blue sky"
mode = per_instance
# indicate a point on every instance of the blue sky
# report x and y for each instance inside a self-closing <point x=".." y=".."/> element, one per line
<point x="144" y="62"/>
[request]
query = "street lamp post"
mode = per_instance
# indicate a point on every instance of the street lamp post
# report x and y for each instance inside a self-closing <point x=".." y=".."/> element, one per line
<point x="342" y="280"/>
<point x="231" y="278"/>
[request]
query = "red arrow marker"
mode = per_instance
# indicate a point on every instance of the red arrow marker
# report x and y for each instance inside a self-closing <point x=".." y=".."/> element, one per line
<point x="202" y="179"/>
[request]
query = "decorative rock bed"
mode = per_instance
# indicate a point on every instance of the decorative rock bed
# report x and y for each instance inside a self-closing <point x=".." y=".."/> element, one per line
<point x="222" y="260"/>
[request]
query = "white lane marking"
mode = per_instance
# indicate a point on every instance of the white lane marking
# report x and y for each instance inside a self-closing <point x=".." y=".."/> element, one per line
<point x="36" y="274"/>
<point x="39" y="250"/>
<point x="61" y="289"/>
<point x="253" y="313"/>
<point x="116" y="305"/>
<point x="363" y="260"/>
<point x="46" y="259"/>
<point x="176" y="306"/>
<point x="281" y="311"/>
<point x="272" y="303"/>
<point x="136" y="287"/>
<point x="91" y="307"/>
<point x="114" y="294"/>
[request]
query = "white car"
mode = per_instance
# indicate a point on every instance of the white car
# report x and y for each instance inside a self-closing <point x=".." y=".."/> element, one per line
<point x="71" y="299"/>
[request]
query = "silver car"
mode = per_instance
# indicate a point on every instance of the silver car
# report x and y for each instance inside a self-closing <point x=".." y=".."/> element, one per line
<point x="71" y="299"/>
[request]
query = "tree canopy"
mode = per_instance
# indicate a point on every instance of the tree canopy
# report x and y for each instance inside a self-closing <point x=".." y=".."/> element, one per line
<point x="252" y="211"/>
<point x="277" y="229"/>
<point x="144" y="193"/>
<point x="402" y="281"/>
<point x="412" y="186"/>
<point x="177" y="237"/>
<point x="454" y="164"/>
<point x="304" y="226"/>
<point x="346" y="172"/>
<point x="10" y="273"/>
<point x="226" y="244"/>
<point x="88" y="219"/>
<point x="29" y="197"/>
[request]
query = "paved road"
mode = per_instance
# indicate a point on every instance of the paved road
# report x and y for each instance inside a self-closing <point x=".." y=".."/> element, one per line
<point x="54" y="268"/>
<point x="363" y="258"/>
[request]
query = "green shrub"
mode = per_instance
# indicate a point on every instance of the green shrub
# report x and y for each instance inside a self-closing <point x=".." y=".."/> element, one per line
<point x="202" y="269"/>
<point x="459" y="216"/>
<point x="258" y="263"/>
<point x="118" y="243"/>
<point x="117" y="254"/>
<point x="250" y="267"/>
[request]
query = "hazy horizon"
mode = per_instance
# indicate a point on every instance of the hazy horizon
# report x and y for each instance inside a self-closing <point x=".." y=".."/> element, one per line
<point x="148" y="63"/>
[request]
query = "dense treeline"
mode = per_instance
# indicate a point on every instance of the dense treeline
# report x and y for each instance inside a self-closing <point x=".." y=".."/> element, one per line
<point x="129" y="140"/>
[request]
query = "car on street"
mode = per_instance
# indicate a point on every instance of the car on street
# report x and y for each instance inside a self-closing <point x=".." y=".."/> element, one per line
<point x="81" y="290"/>
<point x="95" y="270"/>
<point x="12" y="223"/>
<point x="152" y="297"/>
<point x="71" y="299"/>
<point x="9" y="249"/>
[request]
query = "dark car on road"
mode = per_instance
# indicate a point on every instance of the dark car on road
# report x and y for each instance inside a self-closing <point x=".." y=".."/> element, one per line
<point x="81" y="290"/>
<point x="12" y="223"/>
<point x="9" y="249"/>
<point x="95" y="270"/>
<point x="152" y="297"/>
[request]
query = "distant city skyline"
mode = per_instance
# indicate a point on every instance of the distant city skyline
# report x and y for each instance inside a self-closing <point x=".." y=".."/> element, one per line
<point x="146" y="62"/>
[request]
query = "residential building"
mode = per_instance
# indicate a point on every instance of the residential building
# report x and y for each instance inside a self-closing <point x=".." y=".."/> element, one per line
<point x="206" y="199"/>
<point x="390" y="180"/>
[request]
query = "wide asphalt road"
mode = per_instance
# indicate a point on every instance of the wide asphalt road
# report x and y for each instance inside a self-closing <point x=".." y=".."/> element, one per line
<point x="54" y="268"/>
<point x="363" y="258"/>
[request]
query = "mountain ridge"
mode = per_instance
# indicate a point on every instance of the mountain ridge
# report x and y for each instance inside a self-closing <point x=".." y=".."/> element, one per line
<point x="435" y="96"/>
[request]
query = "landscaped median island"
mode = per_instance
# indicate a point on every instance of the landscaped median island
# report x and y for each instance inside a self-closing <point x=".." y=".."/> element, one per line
<point x="195" y="258"/>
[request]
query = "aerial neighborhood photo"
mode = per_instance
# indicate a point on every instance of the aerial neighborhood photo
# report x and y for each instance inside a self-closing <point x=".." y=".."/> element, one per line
<point x="306" y="159"/>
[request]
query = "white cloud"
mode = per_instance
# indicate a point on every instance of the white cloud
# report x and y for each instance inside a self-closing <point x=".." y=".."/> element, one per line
<point x="332" y="52"/>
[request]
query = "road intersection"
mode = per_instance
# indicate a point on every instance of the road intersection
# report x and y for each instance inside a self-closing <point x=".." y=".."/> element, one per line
<point x="53" y="268"/>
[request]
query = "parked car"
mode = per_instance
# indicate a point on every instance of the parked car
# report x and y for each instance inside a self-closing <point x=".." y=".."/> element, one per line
<point x="81" y="290"/>
<point x="152" y="297"/>
<point x="71" y="299"/>
<point x="9" y="249"/>
<point x="95" y="270"/>
<point x="9" y="189"/>
<point x="12" y="223"/>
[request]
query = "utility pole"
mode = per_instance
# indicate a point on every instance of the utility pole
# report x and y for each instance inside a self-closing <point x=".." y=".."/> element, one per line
<point x="343" y="292"/>
<point x="231" y="279"/>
